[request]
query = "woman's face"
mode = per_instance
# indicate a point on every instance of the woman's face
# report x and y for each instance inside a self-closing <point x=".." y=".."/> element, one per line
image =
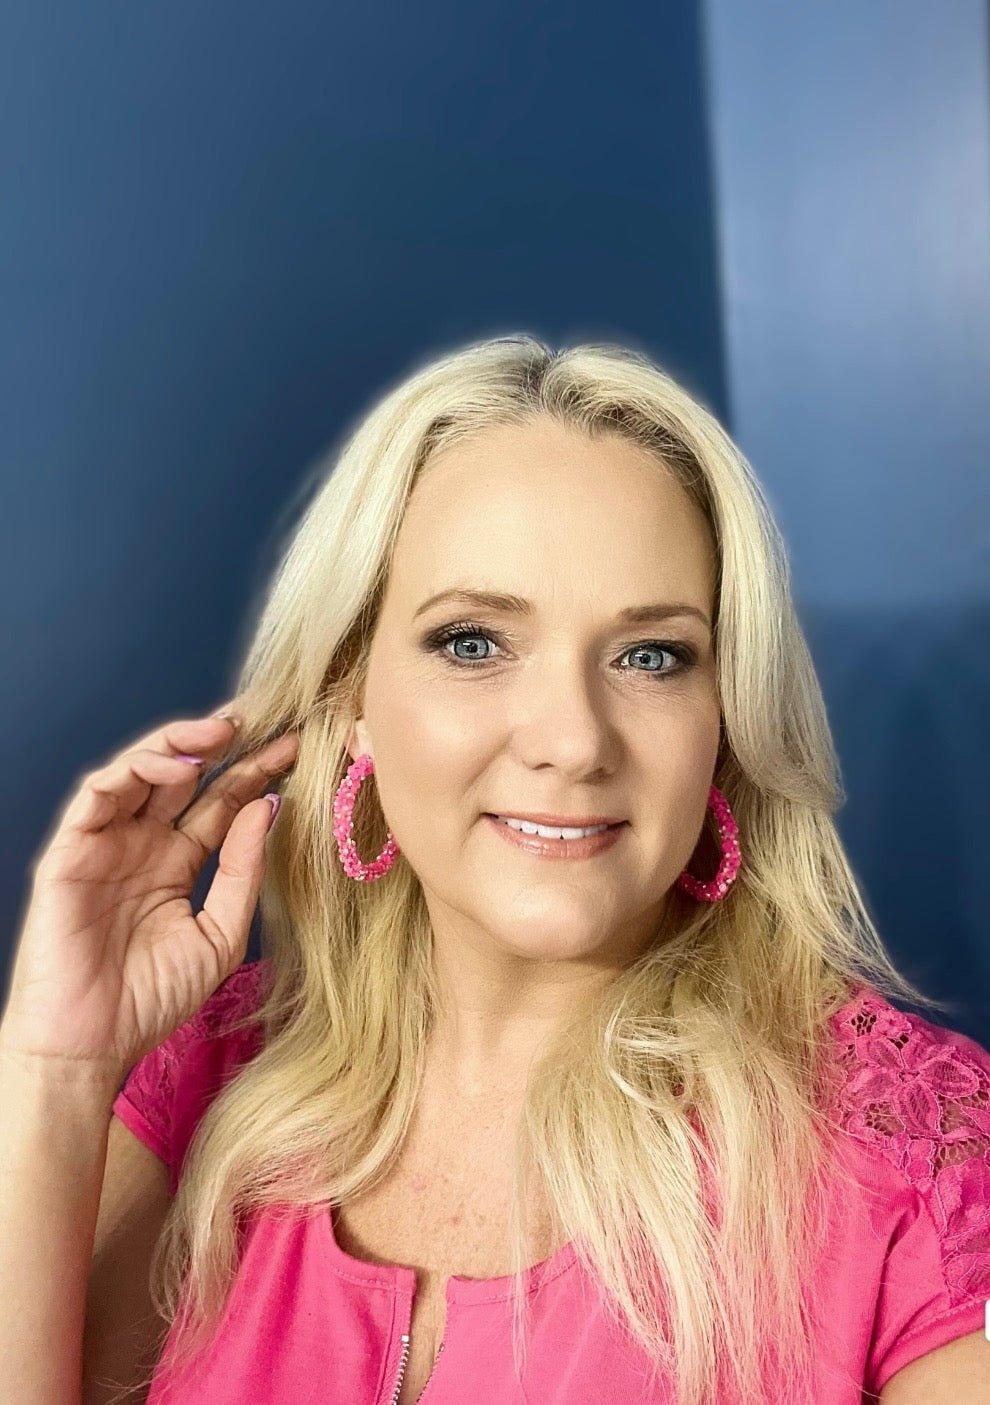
<point x="564" y="709"/>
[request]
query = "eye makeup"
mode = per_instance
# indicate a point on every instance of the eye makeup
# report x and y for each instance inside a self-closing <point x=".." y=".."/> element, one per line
<point x="437" y="640"/>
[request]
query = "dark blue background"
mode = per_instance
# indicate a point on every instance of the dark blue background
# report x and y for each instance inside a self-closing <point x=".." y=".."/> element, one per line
<point x="226" y="229"/>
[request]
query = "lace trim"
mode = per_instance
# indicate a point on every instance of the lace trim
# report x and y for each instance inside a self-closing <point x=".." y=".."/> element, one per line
<point x="152" y="1083"/>
<point x="233" y="998"/>
<point x="926" y="1106"/>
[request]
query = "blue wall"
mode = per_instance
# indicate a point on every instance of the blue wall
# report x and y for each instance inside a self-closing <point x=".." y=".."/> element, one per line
<point x="851" y="158"/>
<point x="227" y="228"/>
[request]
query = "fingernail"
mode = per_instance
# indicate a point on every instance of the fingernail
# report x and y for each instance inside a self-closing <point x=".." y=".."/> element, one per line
<point x="193" y="760"/>
<point x="276" y="801"/>
<point x="230" y="716"/>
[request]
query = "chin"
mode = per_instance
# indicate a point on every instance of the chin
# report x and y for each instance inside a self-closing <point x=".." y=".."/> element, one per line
<point x="548" y="940"/>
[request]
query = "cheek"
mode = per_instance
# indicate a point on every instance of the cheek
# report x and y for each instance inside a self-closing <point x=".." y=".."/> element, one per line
<point x="439" y="730"/>
<point x="434" y="751"/>
<point x="676" y="765"/>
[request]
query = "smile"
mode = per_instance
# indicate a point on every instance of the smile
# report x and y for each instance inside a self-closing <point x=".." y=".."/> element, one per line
<point x="551" y="842"/>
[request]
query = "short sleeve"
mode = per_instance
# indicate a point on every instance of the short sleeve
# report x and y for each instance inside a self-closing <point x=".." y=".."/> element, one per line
<point x="144" y="1102"/>
<point x="918" y="1095"/>
<point x="166" y="1092"/>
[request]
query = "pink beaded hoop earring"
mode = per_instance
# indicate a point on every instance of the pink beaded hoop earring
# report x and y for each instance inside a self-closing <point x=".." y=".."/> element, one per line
<point x="717" y="887"/>
<point x="343" y="810"/>
<point x="359" y="770"/>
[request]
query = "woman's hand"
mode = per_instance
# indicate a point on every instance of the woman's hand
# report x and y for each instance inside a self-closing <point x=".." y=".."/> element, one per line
<point x="111" y="957"/>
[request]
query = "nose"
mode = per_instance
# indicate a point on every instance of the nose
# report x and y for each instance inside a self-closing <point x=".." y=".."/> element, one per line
<point x="564" y="721"/>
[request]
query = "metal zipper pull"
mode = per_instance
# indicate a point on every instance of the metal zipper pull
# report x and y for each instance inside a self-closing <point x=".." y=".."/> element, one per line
<point x="405" y="1339"/>
<point x="402" y="1366"/>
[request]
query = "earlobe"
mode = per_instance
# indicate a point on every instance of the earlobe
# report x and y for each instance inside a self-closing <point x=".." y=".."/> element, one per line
<point x="357" y="743"/>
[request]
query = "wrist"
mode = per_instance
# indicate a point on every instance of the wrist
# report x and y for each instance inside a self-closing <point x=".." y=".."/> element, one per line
<point x="90" y="1077"/>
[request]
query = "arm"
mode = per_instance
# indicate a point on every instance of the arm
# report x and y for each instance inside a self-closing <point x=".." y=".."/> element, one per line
<point x="955" y="1374"/>
<point x="122" y="1327"/>
<point x="55" y="1116"/>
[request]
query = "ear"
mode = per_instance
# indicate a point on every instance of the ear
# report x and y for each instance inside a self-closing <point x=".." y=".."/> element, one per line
<point x="359" y="743"/>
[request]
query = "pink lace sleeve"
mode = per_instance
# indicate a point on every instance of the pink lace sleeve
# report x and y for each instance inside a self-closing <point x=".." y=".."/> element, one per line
<point x="918" y="1095"/>
<point x="155" y="1099"/>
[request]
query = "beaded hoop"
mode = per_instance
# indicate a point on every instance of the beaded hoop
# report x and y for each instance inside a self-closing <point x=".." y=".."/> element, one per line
<point x="343" y="809"/>
<point x="359" y="770"/>
<point x="728" y="831"/>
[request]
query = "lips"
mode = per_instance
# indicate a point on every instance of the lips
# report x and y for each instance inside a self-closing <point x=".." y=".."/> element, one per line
<point x="557" y="821"/>
<point x="540" y="847"/>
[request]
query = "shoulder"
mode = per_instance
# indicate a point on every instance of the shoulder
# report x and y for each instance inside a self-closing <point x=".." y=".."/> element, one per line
<point x="913" y="1100"/>
<point x="223" y="1018"/>
<point x="230" y="1010"/>
<point x="236" y="998"/>
<point x="917" y="1094"/>
<point x="165" y="1094"/>
<point x="913" y="1088"/>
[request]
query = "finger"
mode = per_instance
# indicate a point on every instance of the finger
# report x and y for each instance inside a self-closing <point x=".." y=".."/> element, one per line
<point x="214" y="746"/>
<point x="211" y="815"/>
<point x="206" y="737"/>
<point x="191" y="734"/>
<point x="165" y="804"/>
<point x="225" y="917"/>
<point x="120" y="789"/>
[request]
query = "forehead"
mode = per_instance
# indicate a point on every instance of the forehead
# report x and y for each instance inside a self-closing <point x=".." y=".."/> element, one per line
<point x="542" y="510"/>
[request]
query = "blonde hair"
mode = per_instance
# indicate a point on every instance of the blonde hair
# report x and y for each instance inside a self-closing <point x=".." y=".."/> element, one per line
<point x="707" y="1057"/>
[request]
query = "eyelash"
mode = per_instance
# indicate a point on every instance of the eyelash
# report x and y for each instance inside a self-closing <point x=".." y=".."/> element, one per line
<point x="437" y="641"/>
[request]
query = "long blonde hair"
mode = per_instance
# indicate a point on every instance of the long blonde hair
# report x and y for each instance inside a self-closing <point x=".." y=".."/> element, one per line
<point x="708" y="1056"/>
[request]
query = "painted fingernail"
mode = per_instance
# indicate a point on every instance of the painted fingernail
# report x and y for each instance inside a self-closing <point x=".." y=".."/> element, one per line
<point x="275" y="801"/>
<point x="193" y="760"/>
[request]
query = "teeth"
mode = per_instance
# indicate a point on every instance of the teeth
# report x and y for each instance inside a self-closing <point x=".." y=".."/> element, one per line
<point x="550" y="831"/>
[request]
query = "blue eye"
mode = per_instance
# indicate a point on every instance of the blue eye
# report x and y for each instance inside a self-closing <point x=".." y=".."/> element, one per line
<point x="453" y="633"/>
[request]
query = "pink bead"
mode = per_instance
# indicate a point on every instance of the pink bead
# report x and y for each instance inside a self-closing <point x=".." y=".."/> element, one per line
<point x="728" y="830"/>
<point x="343" y="811"/>
<point x="346" y="796"/>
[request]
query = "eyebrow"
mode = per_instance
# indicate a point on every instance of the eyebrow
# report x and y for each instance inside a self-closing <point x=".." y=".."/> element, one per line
<point x="501" y="603"/>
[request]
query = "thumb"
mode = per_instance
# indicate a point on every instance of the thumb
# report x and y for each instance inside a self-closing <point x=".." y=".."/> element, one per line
<point x="233" y="894"/>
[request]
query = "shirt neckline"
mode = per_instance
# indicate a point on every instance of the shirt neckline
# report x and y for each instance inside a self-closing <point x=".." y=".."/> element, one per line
<point x="460" y="1289"/>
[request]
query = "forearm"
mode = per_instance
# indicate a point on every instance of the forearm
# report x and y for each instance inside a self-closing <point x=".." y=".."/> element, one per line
<point x="54" y="1124"/>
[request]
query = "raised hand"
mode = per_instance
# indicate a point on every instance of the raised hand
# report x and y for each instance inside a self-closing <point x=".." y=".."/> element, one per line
<point x="111" y="957"/>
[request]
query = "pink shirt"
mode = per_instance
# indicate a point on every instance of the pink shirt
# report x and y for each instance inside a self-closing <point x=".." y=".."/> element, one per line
<point x="908" y="1266"/>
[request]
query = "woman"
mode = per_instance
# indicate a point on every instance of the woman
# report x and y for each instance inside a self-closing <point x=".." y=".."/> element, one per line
<point x="570" y="1073"/>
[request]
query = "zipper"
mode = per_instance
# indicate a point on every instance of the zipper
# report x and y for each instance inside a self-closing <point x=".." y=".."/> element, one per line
<point x="402" y="1368"/>
<point x="430" y="1376"/>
